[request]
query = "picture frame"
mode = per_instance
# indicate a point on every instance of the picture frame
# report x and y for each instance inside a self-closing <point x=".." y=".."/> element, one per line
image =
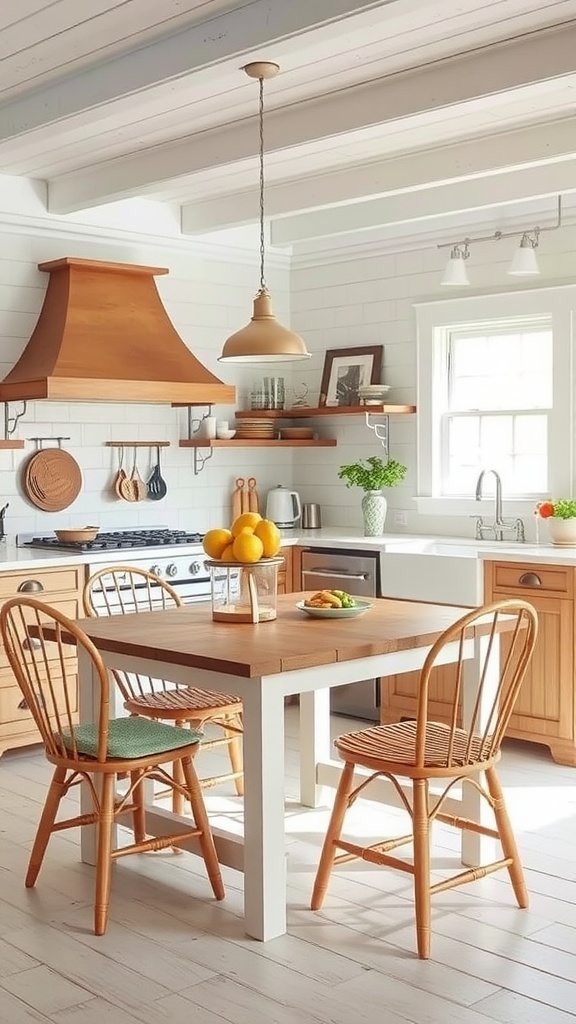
<point x="346" y="370"/>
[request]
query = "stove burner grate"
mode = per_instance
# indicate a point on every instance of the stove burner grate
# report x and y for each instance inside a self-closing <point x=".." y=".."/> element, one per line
<point x="121" y="540"/>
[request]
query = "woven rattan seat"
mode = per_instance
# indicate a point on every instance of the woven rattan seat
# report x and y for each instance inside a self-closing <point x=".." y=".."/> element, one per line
<point x="97" y="752"/>
<point x="125" y="589"/>
<point x="423" y="750"/>
<point x="395" y="746"/>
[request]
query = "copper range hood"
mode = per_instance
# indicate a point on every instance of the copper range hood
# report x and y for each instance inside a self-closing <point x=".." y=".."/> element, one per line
<point x="104" y="335"/>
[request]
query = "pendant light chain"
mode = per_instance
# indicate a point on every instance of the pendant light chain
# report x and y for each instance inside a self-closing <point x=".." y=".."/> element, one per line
<point x="262" y="249"/>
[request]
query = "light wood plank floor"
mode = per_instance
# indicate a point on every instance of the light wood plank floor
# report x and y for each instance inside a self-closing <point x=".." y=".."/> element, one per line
<point x="172" y="956"/>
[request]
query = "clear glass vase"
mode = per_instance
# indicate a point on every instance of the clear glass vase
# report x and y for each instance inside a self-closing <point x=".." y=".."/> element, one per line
<point x="374" y="506"/>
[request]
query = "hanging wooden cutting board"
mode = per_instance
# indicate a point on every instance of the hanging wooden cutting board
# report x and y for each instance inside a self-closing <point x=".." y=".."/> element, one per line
<point x="238" y="496"/>
<point x="52" y="479"/>
<point x="253" y="498"/>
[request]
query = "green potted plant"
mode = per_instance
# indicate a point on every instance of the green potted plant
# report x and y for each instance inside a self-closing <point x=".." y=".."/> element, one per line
<point x="372" y="475"/>
<point x="561" y="518"/>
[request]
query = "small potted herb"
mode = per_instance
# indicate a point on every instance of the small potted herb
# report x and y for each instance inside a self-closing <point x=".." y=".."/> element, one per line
<point x="561" y="518"/>
<point x="371" y="476"/>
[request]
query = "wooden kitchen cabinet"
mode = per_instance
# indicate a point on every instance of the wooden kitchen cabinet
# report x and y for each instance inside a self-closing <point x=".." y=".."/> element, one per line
<point x="60" y="587"/>
<point x="545" y="711"/>
<point x="285" y="575"/>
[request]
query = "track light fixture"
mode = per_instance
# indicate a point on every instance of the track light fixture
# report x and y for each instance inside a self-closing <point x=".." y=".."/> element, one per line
<point x="455" y="272"/>
<point x="524" y="262"/>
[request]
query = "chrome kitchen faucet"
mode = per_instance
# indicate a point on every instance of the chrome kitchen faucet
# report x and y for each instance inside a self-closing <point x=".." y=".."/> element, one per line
<point x="500" y="525"/>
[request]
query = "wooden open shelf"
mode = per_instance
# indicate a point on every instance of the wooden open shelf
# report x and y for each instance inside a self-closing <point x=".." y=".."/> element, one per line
<point x="300" y="413"/>
<point x="204" y="442"/>
<point x="6" y="444"/>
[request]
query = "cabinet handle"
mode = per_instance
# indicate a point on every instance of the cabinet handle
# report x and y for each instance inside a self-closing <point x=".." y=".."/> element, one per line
<point x="530" y="579"/>
<point x="24" y="706"/>
<point x="30" y="587"/>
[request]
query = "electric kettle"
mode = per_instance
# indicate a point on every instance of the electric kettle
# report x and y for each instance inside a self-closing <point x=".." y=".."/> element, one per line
<point x="283" y="506"/>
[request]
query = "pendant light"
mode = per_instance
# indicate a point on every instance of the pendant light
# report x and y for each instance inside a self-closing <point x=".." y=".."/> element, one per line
<point x="263" y="340"/>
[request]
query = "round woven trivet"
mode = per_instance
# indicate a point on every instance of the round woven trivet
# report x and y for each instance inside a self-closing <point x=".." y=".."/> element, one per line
<point x="52" y="479"/>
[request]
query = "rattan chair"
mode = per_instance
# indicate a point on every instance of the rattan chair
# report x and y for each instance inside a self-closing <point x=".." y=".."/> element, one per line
<point x="37" y="643"/>
<point x="124" y="589"/>
<point x="423" y="750"/>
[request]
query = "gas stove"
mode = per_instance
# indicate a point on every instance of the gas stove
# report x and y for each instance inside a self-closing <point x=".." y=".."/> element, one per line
<point x="118" y="540"/>
<point x="174" y="555"/>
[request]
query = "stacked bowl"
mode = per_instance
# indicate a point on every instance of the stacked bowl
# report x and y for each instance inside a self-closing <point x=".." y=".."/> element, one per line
<point x="373" y="394"/>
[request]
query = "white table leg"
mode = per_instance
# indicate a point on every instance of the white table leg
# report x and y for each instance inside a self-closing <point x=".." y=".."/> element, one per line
<point x="315" y="745"/>
<point x="264" y="843"/>
<point x="478" y="849"/>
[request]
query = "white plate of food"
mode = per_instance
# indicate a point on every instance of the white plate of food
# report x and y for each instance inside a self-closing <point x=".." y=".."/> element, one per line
<point x="358" y="608"/>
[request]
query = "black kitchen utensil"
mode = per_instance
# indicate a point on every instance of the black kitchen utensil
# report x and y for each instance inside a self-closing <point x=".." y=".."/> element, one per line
<point x="157" y="488"/>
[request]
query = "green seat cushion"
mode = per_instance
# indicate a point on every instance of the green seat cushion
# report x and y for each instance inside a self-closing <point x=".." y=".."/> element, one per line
<point x="134" y="737"/>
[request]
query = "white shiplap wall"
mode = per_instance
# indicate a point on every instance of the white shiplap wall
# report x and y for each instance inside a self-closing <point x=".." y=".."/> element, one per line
<point x="207" y="296"/>
<point x="367" y="298"/>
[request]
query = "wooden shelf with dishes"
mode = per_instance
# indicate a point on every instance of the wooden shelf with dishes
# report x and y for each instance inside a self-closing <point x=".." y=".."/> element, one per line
<point x="245" y="442"/>
<point x="305" y="412"/>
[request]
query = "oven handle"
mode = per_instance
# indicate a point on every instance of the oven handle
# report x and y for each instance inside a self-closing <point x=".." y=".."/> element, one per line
<point x="336" y="575"/>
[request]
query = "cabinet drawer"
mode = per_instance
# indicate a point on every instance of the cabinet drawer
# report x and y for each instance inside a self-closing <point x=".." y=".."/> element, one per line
<point x="69" y="606"/>
<point x="52" y="581"/>
<point x="529" y="579"/>
<point x="11" y="699"/>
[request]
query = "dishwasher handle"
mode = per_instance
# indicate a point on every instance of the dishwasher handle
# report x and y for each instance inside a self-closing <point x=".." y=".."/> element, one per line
<point x="328" y="574"/>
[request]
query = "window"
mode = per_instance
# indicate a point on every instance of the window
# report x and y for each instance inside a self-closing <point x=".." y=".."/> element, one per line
<point x="497" y="402"/>
<point x="495" y="391"/>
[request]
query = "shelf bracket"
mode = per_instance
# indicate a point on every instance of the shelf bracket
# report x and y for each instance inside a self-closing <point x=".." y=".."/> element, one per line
<point x="200" y="460"/>
<point x="195" y="424"/>
<point x="11" y="422"/>
<point x="382" y="429"/>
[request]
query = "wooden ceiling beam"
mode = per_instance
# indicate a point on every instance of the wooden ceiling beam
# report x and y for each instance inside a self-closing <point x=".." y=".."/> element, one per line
<point x="534" y="146"/>
<point x="427" y="204"/>
<point x="202" y="45"/>
<point x="487" y="73"/>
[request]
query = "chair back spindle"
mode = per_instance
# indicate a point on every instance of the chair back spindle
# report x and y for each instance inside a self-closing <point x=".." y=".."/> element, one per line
<point x="499" y="676"/>
<point x="125" y="590"/>
<point x="39" y="643"/>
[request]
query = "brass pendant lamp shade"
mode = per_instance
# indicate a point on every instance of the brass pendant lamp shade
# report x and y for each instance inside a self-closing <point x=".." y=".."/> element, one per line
<point x="263" y="340"/>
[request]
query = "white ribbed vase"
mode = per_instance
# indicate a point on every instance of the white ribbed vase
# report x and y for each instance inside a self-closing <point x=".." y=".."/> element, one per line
<point x="374" y="506"/>
<point x="562" y="532"/>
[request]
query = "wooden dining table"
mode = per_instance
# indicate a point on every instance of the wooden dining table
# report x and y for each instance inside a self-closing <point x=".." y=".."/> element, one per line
<point x="264" y="663"/>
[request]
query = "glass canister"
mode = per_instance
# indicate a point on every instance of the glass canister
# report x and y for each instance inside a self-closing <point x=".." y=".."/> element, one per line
<point x="242" y="591"/>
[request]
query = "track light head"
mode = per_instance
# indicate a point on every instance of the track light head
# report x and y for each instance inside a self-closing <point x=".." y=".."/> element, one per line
<point x="524" y="262"/>
<point x="455" y="274"/>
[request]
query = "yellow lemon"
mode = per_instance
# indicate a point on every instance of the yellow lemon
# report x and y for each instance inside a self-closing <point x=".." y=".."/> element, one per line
<point x="247" y="547"/>
<point x="215" y="541"/>
<point x="228" y="554"/>
<point x="247" y="519"/>
<point x="269" y="534"/>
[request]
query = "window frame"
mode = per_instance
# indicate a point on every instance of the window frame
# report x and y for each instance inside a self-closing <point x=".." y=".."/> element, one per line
<point x="437" y="316"/>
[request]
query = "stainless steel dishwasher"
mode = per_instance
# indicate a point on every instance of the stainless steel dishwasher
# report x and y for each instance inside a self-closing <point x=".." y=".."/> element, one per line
<point x="356" y="572"/>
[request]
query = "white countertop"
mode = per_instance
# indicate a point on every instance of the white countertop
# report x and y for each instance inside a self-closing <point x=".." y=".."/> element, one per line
<point x="339" y="538"/>
<point x="14" y="558"/>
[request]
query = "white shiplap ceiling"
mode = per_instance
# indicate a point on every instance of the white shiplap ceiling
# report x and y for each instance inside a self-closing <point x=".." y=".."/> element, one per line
<point x="384" y="112"/>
